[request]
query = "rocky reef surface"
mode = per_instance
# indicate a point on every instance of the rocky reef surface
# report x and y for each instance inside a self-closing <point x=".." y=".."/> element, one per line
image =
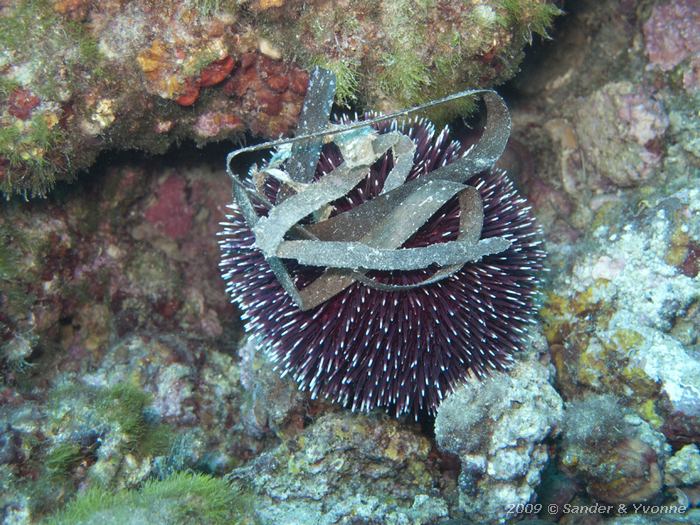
<point x="128" y="387"/>
<point x="80" y="77"/>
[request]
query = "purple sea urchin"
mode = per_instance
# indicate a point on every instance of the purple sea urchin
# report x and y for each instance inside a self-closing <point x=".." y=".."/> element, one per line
<point x="397" y="339"/>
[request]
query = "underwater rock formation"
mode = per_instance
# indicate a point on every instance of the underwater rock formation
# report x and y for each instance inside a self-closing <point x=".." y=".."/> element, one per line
<point x="683" y="469"/>
<point x="270" y="401"/>
<point x="671" y="37"/>
<point x="109" y="259"/>
<point x="619" y="129"/>
<point x="346" y="468"/>
<point x="615" y="145"/>
<point x="79" y="77"/>
<point x="689" y="518"/>
<point x="618" y="455"/>
<point x="609" y="333"/>
<point x="148" y="407"/>
<point x="498" y="427"/>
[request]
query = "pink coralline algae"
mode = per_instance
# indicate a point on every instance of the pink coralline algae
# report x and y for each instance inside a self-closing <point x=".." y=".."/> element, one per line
<point x="671" y="33"/>
<point x="645" y="121"/>
<point x="170" y="212"/>
<point x="620" y="129"/>
<point x="214" y="123"/>
<point x="21" y="102"/>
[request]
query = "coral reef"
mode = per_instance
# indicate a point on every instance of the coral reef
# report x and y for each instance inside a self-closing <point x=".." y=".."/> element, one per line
<point x="96" y="282"/>
<point x="497" y="428"/>
<point x="79" y="77"/>
<point x="609" y="124"/>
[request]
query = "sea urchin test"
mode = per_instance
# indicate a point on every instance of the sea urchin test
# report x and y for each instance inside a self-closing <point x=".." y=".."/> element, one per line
<point x="378" y="262"/>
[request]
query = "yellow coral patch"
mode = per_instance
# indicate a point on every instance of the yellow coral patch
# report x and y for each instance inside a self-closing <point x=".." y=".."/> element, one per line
<point x="678" y="250"/>
<point x="648" y="412"/>
<point x="637" y="379"/>
<point x="627" y="339"/>
<point x="592" y="365"/>
<point x="267" y="4"/>
<point x="582" y="302"/>
<point x="104" y="114"/>
<point x="51" y="120"/>
<point x="150" y="59"/>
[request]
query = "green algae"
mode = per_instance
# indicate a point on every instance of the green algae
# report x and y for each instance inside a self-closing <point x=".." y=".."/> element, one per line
<point x="50" y="55"/>
<point x="125" y="405"/>
<point x="213" y="7"/>
<point x="122" y="408"/>
<point x="405" y="76"/>
<point x="63" y="459"/>
<point x="24" y="145"/>
<point x="531" y="16"/>
<point x="34" y="36"/>
<point x="423" y="55"/>
<point x="182" y="498"/>
<point x="346" y="77"/>
<point x="7" y="86"/>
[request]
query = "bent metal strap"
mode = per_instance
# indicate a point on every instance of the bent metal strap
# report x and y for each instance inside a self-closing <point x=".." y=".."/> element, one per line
<point x="368" y="237"/>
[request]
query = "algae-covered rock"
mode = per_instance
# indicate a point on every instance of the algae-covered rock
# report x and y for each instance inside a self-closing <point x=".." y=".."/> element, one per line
<point x="670" y="36"/>
<point x="614" y="321"/>
<point x="619" y="129"/>
<point x="684" y="467"/>
<point x="618" y="455"/>
<point x="270" y="401"/>
<point x="121" y="359"/>
<point x="79" y="77"/>
<point x="498" y="427"/>
<point x="78" y="435"/>
<point x="342" y="469"/>
<point x="144" y="411"/>
<point x="82" y="269"/>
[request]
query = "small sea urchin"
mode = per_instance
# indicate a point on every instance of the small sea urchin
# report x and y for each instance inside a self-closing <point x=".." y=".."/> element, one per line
<point x="375" y="335"/>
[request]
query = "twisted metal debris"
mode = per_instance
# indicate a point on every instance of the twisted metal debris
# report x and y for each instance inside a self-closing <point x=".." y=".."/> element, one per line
<point x="369" y="236"/>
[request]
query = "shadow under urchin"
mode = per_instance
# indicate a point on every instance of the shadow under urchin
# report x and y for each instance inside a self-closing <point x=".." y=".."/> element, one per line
<point x="400" y="350"/>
